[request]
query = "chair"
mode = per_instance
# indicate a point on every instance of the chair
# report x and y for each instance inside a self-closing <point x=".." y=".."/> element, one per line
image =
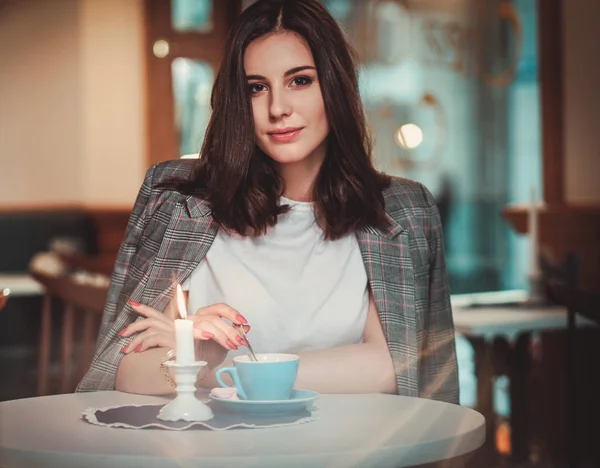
<point x="586" y="304"/>
<point x="102" y="264"/>
<point x="79" y="300"/>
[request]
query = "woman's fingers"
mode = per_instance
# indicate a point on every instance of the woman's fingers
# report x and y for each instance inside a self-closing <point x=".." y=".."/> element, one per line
<point x="145" y="324"/>
<point x="233" y="335"/>
<point x="210" y="328"/>
<point x="158" y="330"/>
<point x="154" y="318"/>
<point x="222" y="311"/>
<point x="229" y="337"/>
<point x="156" y="340"/>
<point x="135" y="344"/>
<point x="146" y="311"/>
<point x="149" y="339"/>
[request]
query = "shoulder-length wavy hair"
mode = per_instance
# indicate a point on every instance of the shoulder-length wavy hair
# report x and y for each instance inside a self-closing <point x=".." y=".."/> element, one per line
<point x="242" y="184"/>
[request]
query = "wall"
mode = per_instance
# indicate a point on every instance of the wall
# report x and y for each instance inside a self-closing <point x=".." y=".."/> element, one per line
<point x="72" y="93"/>
<point x="113" y="130"/>
<point x="41" y="113"/>
<point x="581" y="36"/>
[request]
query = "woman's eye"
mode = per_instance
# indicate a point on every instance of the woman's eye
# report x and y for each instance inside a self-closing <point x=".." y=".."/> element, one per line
<point x="301" y="81"/>
<point x="256" y="88"/>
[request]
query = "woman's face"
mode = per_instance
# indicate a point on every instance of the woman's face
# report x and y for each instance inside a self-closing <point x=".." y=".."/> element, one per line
<point x="289" y="114"/>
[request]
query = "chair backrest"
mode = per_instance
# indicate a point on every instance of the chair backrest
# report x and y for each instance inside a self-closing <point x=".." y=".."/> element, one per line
<point x="102" y="264"/>
<point x="84" y="296"/>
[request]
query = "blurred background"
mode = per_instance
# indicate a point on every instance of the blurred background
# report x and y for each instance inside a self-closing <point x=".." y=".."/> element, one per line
<point x="492" y="104"/>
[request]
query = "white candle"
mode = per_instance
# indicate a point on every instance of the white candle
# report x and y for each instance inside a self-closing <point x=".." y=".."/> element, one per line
<point x="184" y="333"/>
<point x="534" y="268"/>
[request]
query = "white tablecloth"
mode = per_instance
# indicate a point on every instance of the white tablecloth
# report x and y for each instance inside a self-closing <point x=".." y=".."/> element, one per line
<point x="353" y="431"/>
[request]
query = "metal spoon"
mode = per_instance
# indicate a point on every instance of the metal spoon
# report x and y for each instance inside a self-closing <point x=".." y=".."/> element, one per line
<point x="242" y="333"/>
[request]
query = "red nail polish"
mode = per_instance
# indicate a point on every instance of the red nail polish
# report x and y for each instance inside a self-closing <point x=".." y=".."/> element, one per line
<point x="124" y="348"/>
<point x="133" y="303"/>
<point x="138" y="348"/>
<point x="231" y="345"/>
<point x="208" y="335"/>
<point x="122" y="332"/>
<point x="241" y="319"/>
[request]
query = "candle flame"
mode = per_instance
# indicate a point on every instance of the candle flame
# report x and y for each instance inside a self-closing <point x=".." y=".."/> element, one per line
<point x="181" y="302"/>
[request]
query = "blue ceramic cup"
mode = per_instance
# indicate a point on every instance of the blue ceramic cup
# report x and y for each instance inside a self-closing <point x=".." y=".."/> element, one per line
<point x="271" y="378"/>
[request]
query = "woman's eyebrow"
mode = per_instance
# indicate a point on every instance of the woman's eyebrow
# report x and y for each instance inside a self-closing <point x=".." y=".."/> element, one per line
<point x="291" y="71"/>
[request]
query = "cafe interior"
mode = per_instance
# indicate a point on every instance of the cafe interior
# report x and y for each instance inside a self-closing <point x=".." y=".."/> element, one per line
<point x="492" y="104"/>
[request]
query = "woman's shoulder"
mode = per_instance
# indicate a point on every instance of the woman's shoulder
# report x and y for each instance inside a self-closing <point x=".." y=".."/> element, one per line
<point x="163" y="182"/>
<point x="407" y="195"/>
<point x="411" y="205"/>
<point x="181" y="169"/>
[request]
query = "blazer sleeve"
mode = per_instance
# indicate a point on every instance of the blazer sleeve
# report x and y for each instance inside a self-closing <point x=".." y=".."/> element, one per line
<point x="438" y="369"/>
<point x="101" y="375"/>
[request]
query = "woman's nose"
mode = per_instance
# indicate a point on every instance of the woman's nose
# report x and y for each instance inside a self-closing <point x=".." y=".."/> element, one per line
<point x="280" y="105"/>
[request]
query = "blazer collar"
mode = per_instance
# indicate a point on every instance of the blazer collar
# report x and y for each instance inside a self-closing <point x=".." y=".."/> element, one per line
<point x="393" y="230"/>
<point x="196" y="207"/>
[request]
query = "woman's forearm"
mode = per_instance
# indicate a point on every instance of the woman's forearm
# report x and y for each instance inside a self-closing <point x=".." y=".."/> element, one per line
<point x="359" y="368"/>
<point x="141" y="373"/>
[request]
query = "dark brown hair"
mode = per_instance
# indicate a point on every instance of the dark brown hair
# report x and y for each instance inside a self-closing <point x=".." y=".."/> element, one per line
<point x="241" y="183"/>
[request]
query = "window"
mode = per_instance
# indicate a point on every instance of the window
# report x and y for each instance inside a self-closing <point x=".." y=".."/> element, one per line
<point x="451" y="93"/>
<point x="192" y="15"/>
<point x="192" y="83"/>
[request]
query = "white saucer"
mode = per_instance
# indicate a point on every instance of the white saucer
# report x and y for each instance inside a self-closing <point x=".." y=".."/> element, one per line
<point x="301" y="400"/>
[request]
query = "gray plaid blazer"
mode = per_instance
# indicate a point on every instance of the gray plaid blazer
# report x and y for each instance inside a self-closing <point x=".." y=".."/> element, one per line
<point x="169" y="233"/>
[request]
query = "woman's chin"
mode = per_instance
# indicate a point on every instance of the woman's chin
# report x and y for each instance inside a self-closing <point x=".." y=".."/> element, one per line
<point x="284" y="158"/>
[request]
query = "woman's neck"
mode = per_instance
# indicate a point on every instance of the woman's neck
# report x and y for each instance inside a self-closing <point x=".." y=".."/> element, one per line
<point x="298" y="189"/>
<point x="300" y="178"/>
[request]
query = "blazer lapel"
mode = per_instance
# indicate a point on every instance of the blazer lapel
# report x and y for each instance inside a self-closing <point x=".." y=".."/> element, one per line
<point x="389" y="266"/>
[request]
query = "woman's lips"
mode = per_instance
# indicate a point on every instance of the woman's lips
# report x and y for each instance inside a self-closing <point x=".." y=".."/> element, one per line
<point x="285" y="136"/>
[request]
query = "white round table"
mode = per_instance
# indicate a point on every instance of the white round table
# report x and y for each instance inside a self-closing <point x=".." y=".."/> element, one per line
<point x="353" y="430"/>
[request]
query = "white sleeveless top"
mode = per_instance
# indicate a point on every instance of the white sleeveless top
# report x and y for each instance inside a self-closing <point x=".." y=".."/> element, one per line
<point x="298" y="291"/>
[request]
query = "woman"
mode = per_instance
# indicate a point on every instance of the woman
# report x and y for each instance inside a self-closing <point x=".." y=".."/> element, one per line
<point x="284" y="224"/>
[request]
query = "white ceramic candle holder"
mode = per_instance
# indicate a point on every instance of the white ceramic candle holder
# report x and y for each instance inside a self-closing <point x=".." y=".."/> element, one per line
<point x="185" y="406"/>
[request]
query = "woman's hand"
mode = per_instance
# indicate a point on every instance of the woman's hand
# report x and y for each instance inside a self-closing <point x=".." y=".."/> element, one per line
<point x="158" y="330"/>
